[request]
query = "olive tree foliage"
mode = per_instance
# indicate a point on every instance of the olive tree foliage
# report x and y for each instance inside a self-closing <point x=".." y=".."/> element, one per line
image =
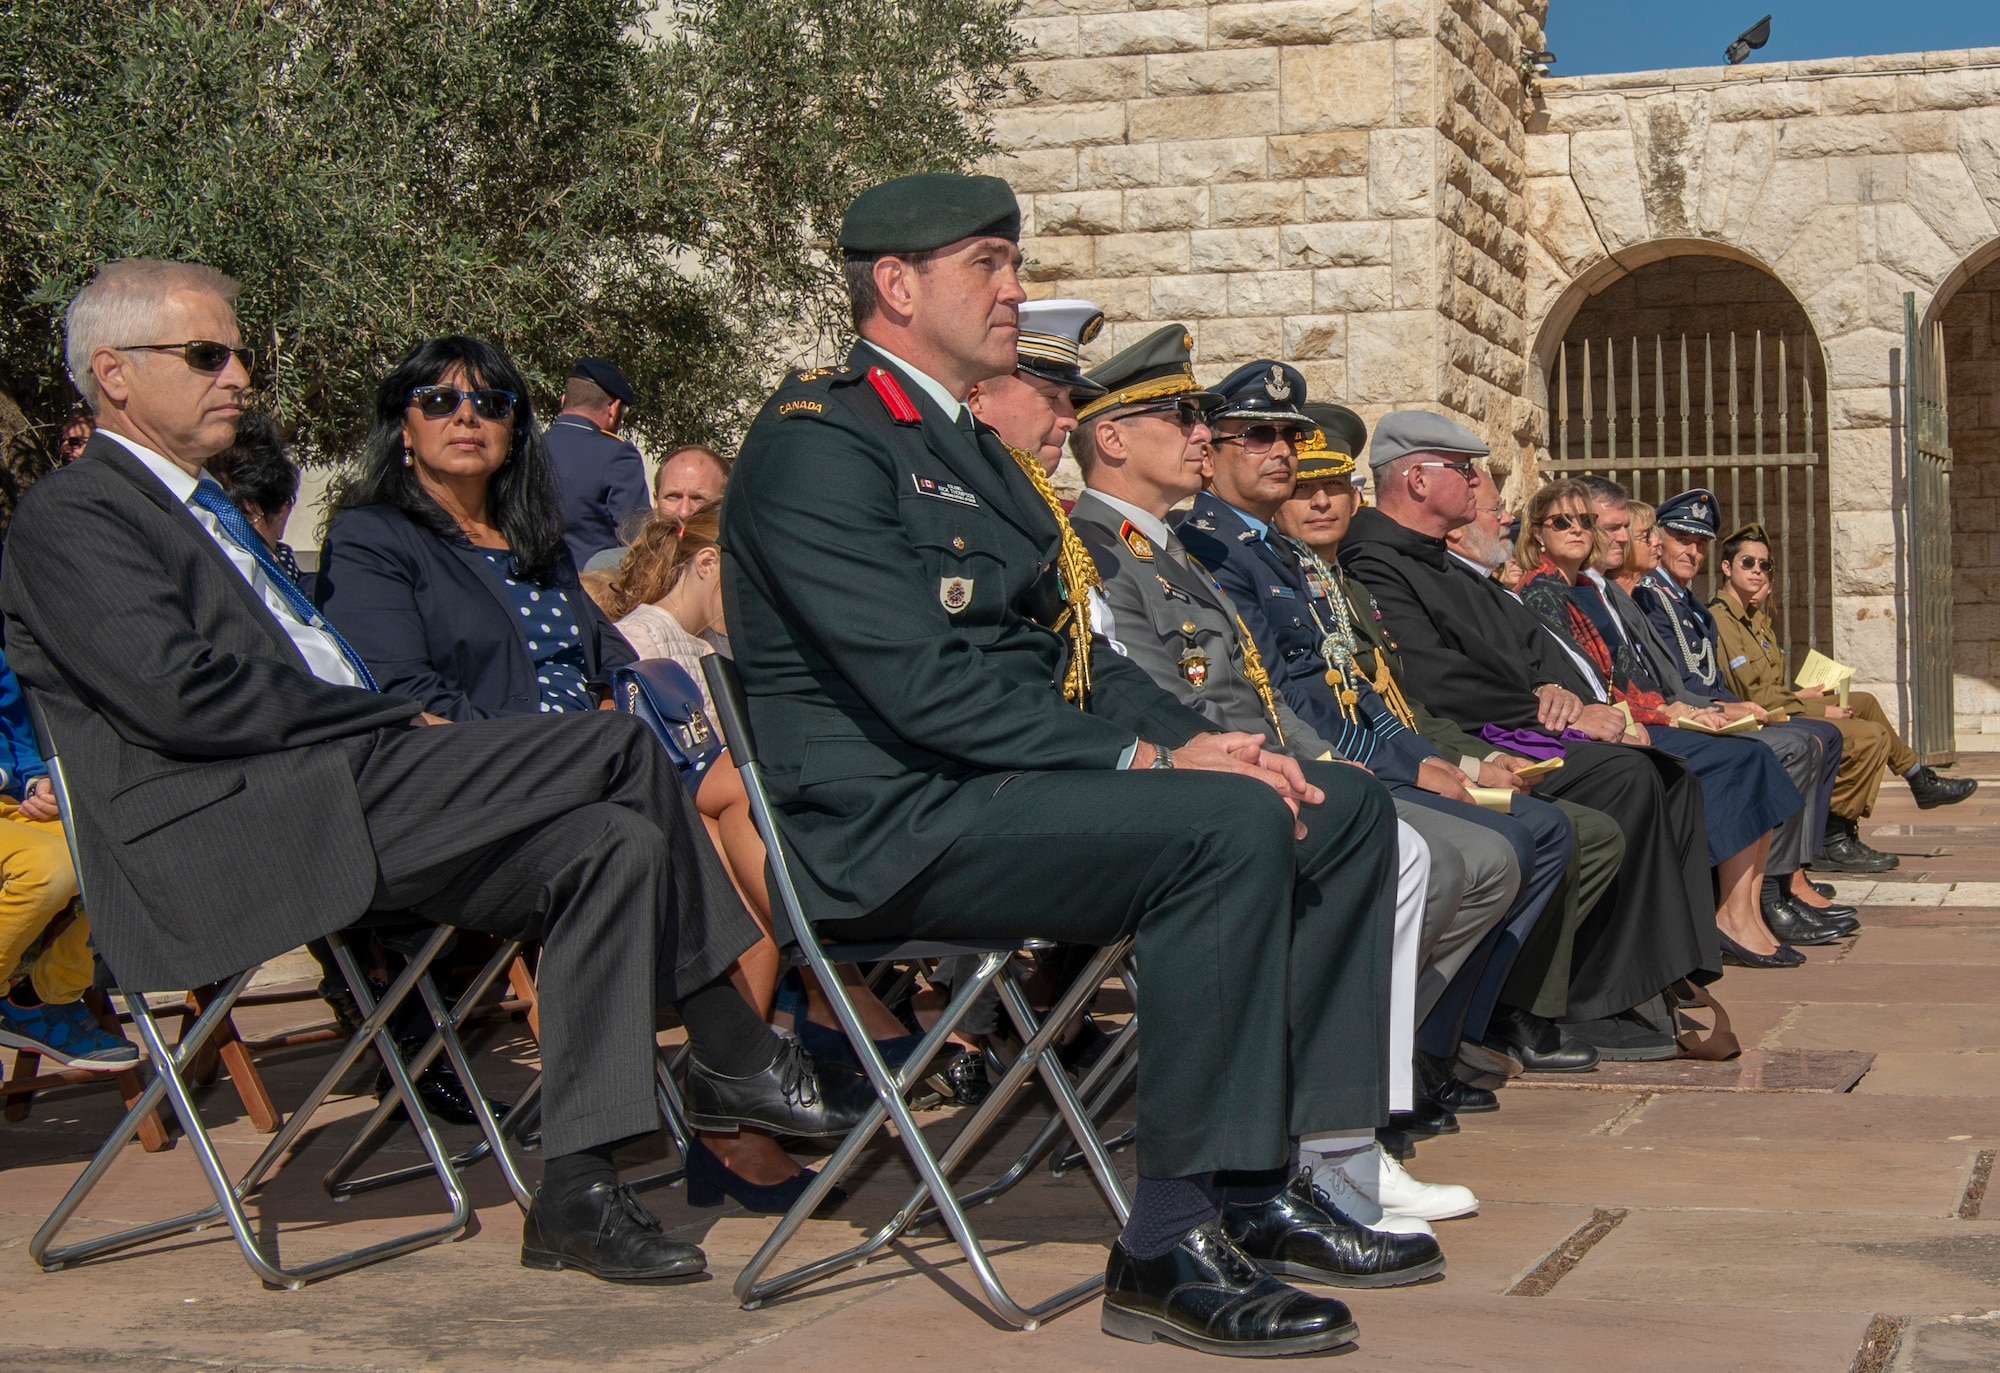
<point x="659" y="184"/>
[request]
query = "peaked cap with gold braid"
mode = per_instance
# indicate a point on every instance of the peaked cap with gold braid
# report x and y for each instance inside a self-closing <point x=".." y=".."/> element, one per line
<point x="1159" y="367"/>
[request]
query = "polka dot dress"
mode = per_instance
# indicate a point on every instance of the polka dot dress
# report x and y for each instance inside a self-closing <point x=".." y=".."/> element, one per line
<point x="554" y="636"/>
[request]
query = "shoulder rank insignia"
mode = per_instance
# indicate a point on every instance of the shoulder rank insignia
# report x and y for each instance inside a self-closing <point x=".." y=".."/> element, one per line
<point x="813" y="374"/>
<point x="1141" y="546"/>
<point x="801" y="405"/>
<point x="1204" y="523"/>
<point x="901" y="409"/>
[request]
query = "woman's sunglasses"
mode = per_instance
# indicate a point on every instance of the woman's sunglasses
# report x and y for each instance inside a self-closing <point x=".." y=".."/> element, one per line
<point x="442" y="402"/>
<point x="1571" y="521"/>
<point x="200" y="354"/>
<point x="1262" y="438"/>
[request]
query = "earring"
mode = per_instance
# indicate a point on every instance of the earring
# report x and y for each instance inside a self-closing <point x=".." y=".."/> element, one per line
<point x="408" y="459"/>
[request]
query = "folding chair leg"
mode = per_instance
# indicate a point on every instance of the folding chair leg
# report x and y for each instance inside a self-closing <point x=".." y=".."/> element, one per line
<point x="170" y="1081"/>
<point x="1037" y="1039"/>
<point x="228" y="1047"/>
<point x="444" y="1039"/>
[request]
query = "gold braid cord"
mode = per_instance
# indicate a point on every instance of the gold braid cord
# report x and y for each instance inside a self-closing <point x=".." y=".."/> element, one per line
<point x="1253" y="661"/>
<point x="1391" y="694"/>
<point x="1079" y="575"/>
<point x="1253" y="668"/>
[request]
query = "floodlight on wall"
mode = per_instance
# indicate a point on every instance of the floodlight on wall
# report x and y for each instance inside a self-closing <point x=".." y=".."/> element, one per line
<point x="1756" y="36"/>
<point x="1534" y="66"/>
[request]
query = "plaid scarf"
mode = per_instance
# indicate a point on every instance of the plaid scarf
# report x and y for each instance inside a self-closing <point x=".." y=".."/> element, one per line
<point x="1647" y="707"/>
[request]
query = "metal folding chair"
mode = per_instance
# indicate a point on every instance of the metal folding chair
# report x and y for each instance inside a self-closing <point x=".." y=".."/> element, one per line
<point x="495" y="1132"/>
<point x="891" y="1085"/>
<point x="171" y="1070"/>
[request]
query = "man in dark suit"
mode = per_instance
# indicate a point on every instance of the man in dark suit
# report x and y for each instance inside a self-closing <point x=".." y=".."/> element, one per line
<point x="903" y="603"/>
<point x="205" y="710"/>
<point x="600" y="477"/>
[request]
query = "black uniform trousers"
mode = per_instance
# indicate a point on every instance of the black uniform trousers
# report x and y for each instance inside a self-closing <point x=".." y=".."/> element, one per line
<point x="1657" y="923"/>
<point x="1263" y="961"/>
<point x="573" y="830"/>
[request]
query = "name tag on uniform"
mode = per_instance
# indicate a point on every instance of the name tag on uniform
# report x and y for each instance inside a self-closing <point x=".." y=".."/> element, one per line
<point x="1739" y="660"/>
<point x="944" y="491"/>
<point x="1284" y="593"/>
<point x="1172" y="592"/>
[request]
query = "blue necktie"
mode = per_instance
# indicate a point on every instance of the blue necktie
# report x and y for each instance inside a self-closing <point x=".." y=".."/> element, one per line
<point x="210" y="496"/>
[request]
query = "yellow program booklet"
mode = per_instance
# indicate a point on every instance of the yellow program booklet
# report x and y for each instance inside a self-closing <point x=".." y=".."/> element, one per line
<point x="1818" y="670"/>
<point x="1742" y="724"/>
<point x="1494" y="798"/>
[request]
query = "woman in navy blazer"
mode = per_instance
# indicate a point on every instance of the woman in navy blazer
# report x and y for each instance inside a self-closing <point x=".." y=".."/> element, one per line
<point x="445" y="567"/>
<point x="437" y="544"/>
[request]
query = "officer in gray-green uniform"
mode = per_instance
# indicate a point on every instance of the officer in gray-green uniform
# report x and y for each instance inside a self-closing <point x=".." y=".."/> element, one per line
<point x="903" y="607"/>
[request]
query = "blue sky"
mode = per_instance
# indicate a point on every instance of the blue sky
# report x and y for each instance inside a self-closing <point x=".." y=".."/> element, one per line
<point x="1590" y="36"/>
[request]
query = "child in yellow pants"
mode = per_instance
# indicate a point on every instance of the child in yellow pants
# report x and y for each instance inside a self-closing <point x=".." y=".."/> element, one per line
<point x="43" y="1012"/>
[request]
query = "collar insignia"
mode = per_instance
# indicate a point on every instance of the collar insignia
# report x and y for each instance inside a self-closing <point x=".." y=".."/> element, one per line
<point x="1141" y="546"/>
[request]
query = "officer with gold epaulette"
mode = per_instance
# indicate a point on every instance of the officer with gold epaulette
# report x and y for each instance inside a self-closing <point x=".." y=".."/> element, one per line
<point x="951" y="756"/>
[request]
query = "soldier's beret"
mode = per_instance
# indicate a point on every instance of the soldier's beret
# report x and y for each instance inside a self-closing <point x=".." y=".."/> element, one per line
<point x="1328" y="451"/>
<point x="1159" y="367"/>
<point x="1403" y="432"/>
<point x="914" y="214"/>
<point x="605" y="378"/>
<point x="1262" y="390"/>
<point x="1053" y="333"/>
<point x="1692" y="513"/>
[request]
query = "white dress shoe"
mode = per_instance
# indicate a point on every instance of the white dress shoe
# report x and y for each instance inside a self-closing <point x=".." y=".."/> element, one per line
<point x="1339" y="1188"/>
<point x="1382" y="1180"/>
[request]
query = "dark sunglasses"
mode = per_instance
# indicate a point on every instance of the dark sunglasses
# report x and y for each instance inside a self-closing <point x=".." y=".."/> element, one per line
<point x="1571" y="521"/>
<point x="1761" y="564"/>
<point x="1184" y="413"/>
<point x="201" y="354"/>
<point x="1262" y="438"/>
<point x="442" y="402"/>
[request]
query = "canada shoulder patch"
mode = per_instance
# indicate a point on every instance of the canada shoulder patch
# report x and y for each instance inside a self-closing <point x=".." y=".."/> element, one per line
<point x="800" y="405"/>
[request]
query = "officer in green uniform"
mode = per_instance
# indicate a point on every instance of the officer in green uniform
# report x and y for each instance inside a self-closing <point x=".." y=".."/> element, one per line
<point x="946" y="762"/>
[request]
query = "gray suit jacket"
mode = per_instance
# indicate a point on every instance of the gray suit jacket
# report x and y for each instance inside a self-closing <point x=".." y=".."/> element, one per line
<point x="1182" y="629"/>
<point x="216" y="808"/>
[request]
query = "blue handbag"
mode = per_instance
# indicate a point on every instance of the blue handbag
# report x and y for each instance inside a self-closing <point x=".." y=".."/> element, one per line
<point x="660" y="692"/>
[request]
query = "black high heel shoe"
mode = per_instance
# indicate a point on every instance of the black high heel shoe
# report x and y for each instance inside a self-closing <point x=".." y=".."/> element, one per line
<point x="1733" y="952"/>
<point x="710" y="1183"/>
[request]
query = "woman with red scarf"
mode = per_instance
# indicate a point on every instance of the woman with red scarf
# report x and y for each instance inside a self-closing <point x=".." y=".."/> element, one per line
<point x="1746" y="792"/>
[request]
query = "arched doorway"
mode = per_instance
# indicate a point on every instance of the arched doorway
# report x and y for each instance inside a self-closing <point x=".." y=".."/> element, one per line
<point x="1969" y="309"/>
<point x="1681" y="366"/>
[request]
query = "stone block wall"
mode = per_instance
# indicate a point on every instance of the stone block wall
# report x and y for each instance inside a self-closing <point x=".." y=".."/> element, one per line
<point x="1331" y="182"/>
<point x="1972" y="354"/>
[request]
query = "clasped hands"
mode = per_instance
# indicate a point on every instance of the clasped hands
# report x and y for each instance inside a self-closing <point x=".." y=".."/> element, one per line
<point x="1246" y="755"/>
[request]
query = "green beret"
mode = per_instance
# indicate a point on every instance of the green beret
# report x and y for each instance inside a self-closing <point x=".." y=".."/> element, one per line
<point x="914" y="214"/>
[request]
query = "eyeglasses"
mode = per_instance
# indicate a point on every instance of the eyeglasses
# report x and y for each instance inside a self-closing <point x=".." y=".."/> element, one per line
<point x="200" y="354"/>
<point x="1463" y="467"/>
<point x="1262" y="438"/>
<point x="1761" y="564"/>
<point x="1571" y="521"/>
<point x="1184" y="413"/>
<point x="442" y="402"/>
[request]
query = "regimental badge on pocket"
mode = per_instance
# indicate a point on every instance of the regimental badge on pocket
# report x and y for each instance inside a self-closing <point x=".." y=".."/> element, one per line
<point x="955" y="593"/>
<point x="1194" y="667"/>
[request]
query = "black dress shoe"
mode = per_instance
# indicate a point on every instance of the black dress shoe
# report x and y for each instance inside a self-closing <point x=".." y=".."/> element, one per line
<point x="602" y="1230"/>
<point x="1624" y="1039"/>
<point x="1843" y="851"/>
<point x="1424" y="1119"/>
<point x="1540" y="1045"/>
<point x="1933" y="791"/>
<point x="961" y="1079"/>
<point x="1842" y="918"/>
<point x="1437" y="1081"/>
<point x="441" y="1092"/>
<point x="1825" y="889"/>
<point x="1301" y="1234"/>
<point x="1733" y="952"/>
<point x="791" y="1097"/>
<point x="1204" y="1294"/>
<point x="1791" y="923"/>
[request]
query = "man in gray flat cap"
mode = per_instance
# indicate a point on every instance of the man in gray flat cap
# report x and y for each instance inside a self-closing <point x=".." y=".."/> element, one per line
<point x="1474" y="654"/>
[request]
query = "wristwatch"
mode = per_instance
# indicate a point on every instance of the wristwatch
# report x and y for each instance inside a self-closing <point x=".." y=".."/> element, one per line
<point x="1162" y="758"/>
